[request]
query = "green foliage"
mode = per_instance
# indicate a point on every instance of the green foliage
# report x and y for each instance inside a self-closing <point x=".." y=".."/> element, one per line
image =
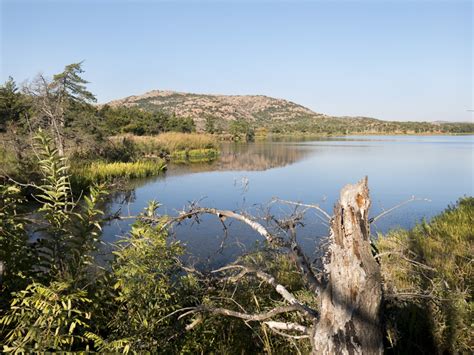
<point x="241" y="130"/>
<point x="16" y="258"/>
<point x="324" y="125"/>
<point x="180" y="124"/>
<point x="70" y="86"/>
<point x="229" y="335"/>
<point x="139" y="122"/>
<point x="68" y="231"/>
<point x="50" y="313"/>
<point x="433" y="260"/>
<point x="149" y="286"/>
<point x="46" y="318"/>
<point x="211" y="124"/>
<point x="55" y="190"/>
<point x="12" y="103"/>
<point x="54" y="103"/>
<point x="108" y="172"/>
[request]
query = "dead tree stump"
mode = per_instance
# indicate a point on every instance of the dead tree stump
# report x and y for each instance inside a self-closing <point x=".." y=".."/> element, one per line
<point x="352" y="293"/>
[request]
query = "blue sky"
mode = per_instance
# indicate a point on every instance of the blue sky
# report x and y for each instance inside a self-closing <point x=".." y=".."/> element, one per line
<point x="400" y="60"/>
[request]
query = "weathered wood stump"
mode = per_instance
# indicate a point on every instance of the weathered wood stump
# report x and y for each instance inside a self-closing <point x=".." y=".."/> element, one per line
<point x="352" y="294"/>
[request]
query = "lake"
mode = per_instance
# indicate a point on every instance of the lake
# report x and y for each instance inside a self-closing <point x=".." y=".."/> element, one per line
<point x="247" y="178"/>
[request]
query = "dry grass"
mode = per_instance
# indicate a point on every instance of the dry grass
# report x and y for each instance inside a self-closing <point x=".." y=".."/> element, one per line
<point x="172" y="142"/>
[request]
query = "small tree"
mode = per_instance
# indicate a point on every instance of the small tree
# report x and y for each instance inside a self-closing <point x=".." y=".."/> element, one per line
<point x="210" y="124"/>
<point x="12" y="103"/>
<point x="241" y="129"/>
<point x="53" y="99"/>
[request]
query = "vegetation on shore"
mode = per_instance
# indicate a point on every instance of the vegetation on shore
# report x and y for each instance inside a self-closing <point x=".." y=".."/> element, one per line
<point x="99" y="171"/>
<point x="174" y="146"/>
<point x="87" y="134"/>
<point x="430" y="269"/>
<point x="56" y="296"/>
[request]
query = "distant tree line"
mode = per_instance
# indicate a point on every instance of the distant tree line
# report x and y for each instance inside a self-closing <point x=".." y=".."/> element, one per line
<point x="363" y="125"/>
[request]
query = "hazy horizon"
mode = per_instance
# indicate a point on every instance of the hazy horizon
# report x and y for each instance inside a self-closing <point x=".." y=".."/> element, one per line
<point x="404" y="61"/>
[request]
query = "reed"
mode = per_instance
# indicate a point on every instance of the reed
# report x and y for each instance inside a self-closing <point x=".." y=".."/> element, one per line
<point x="171" y="142"/>
<point x="103" y="171"/>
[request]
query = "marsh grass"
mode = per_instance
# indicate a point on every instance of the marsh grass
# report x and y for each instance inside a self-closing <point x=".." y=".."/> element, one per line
<point x="441" y="320"/>
<point x="171" y="142"/>
<point x="194" y="155"/>
<point x="102" y="171"/>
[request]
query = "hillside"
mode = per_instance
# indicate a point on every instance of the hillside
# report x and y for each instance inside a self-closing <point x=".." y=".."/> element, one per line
<point x="276" y="115"/>
<point x="251" y="108"/>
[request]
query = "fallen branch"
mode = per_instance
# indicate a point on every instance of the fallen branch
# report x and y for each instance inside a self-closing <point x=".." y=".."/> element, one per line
<point x="288" y="296"/>
<point x="413" y="198"/>
<point x="222" y="214"/>
<point x="316" y="207"/>
<point x="400" y="254"/>
<point x="288" y="326"/>
<point x="248" y="317"/>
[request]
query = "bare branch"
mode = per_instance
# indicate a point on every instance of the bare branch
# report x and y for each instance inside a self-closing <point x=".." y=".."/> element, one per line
<point x="288" y="296"/>
<point x="400" y="254"/>
<point x="295" y="337"/>
<point x="384" y="213"/>
<point x="248" y="317"/>
<point x="288" y="326"/>
<point x="305" y="267"/>
<point x="272" y="239"/>
<point x="316" y="207"/>
<point x="194" y="323"/>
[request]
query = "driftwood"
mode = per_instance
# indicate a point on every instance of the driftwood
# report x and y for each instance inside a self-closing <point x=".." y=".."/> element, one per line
<point x="352" y="295"/>
<point x="349" y="288"/>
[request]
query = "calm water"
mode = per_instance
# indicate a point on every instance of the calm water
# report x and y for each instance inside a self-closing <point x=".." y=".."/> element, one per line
<point x="246" y="178"/>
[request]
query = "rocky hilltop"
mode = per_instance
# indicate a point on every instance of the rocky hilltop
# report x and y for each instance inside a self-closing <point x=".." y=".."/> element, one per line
<point x="222" y="107"/>
<point x="275" y="115"/>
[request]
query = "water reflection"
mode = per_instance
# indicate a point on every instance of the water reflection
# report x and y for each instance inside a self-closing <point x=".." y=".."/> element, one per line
<point x="313" y="171"/>
<point x="258" y="156"/>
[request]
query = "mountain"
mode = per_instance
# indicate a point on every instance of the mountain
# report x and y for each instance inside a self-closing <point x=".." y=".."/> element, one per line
<point x="276" y="115"/>
<point x="252" y="108"/>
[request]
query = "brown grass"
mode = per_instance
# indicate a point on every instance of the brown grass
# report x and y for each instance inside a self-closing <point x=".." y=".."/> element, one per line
<point x="171" y="142"/>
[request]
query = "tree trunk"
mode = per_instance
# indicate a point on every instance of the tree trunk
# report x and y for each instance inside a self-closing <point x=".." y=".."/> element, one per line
<point x="352" y="293"/>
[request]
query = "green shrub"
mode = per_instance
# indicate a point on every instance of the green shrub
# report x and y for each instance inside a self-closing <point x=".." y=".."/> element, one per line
<point x="46" y="318"/>
<point x="149" y="286"/>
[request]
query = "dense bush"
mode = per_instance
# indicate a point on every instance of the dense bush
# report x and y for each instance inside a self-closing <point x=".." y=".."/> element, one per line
<point x="241" y="131"/>
<point x="123" y="119"/>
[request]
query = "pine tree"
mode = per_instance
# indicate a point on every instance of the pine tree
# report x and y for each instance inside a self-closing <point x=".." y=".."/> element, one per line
<point x="12" y="104"/>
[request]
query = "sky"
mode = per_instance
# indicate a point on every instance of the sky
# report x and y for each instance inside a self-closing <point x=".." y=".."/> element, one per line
<point x="393" y="60"/>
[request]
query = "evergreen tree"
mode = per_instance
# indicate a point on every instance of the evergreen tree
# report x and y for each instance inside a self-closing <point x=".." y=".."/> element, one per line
<point x="12" y="104"/>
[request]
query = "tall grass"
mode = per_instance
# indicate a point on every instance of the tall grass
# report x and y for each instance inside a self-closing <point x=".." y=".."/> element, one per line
<point x="103" y="171"/>
<point x="431" y="269"/>
<point x="171" y="142"/>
